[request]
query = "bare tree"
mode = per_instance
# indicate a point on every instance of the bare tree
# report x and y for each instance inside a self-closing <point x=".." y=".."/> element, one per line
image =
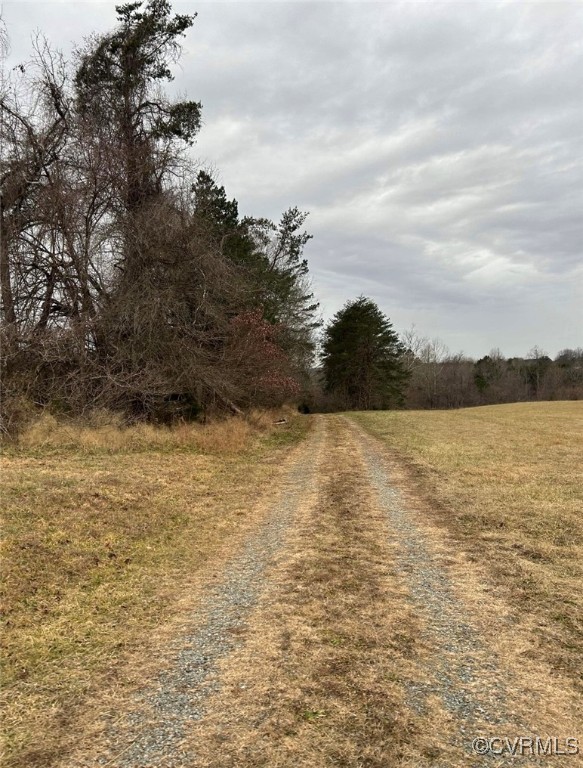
<point x="35" y="115"/>
<point x="117" y="290"/>
<point x="426" y="359"/>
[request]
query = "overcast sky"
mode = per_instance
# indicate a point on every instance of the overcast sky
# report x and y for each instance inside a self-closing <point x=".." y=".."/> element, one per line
<point x="437" y="147"/>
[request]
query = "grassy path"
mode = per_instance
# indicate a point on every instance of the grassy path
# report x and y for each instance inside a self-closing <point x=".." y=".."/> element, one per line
<point x="365" y="614"/>
<point x="372" y="645"/>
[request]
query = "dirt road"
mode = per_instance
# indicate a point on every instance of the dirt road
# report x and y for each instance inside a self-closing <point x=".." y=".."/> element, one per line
<point x="347" y="631"/>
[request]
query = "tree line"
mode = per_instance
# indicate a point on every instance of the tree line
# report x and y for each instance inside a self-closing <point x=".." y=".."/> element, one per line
<point x="440" y="379"/>
<point x="129" y="279"/>
<point x="367" y="365"/>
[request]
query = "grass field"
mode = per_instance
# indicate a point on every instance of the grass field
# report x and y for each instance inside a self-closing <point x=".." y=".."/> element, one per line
<point x="507" y="482"/>
<point x="104" y="530"/>
<point x="109" y="534"/>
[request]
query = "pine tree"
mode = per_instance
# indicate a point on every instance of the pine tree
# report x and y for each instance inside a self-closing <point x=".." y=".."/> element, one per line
<point x="273" y="272"/>
<point x="363" y="358"/>
<point x="123" y="108"/>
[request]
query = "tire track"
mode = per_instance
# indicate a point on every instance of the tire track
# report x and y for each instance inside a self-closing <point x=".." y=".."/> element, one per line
<point x="337" y="637"/>
<point x="152" y="733"/>
<point x="317" y="680"/>
<point x="468" y="676"/>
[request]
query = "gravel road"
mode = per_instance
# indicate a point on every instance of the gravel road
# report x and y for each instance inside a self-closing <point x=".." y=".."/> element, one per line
<point x="461" y="672"/>
<point x="464" y="672"/>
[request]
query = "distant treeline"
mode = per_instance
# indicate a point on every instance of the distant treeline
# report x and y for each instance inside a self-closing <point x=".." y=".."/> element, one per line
<point x="366" y="365"/>
<point x="439" y="379"/>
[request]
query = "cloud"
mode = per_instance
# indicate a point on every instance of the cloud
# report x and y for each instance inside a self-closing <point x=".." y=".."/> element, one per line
<point x="437" y="145"/>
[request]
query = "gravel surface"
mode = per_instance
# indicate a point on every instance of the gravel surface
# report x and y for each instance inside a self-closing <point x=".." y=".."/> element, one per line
<point x="464" y="671"/>
<point x="151" y="735"/>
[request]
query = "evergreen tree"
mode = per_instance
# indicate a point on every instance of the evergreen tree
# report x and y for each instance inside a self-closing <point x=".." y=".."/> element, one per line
<point x="218" y="217"/>
<point x="272" y="270"/>
<point x="125" y="114"/>
<point x="280" y="275"/>
<point x="119" y="97"/>
<point x="363" y="358"/>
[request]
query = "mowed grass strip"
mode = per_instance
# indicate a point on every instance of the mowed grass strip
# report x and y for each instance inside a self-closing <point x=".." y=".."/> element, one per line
<point x="103" y="530"/>
<point x="507" y="481"/>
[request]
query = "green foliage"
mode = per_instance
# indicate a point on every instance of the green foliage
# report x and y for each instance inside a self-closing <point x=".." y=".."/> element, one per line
<point x="218" y="217"/>
<point x="487" y="372"/>
<point x="136" y="53"/>
<point x="271" y="265"/>
<point x="118" y="94"/>
<point x="280" y="276"/>
<point x="363" y="358"/>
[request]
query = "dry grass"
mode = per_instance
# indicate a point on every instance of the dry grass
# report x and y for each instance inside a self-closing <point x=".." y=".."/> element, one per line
<point x="105" y="432"/>
<point x="320" y="678"/>
<point x="507" y="482"/>
<point x="104" y="528"/>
